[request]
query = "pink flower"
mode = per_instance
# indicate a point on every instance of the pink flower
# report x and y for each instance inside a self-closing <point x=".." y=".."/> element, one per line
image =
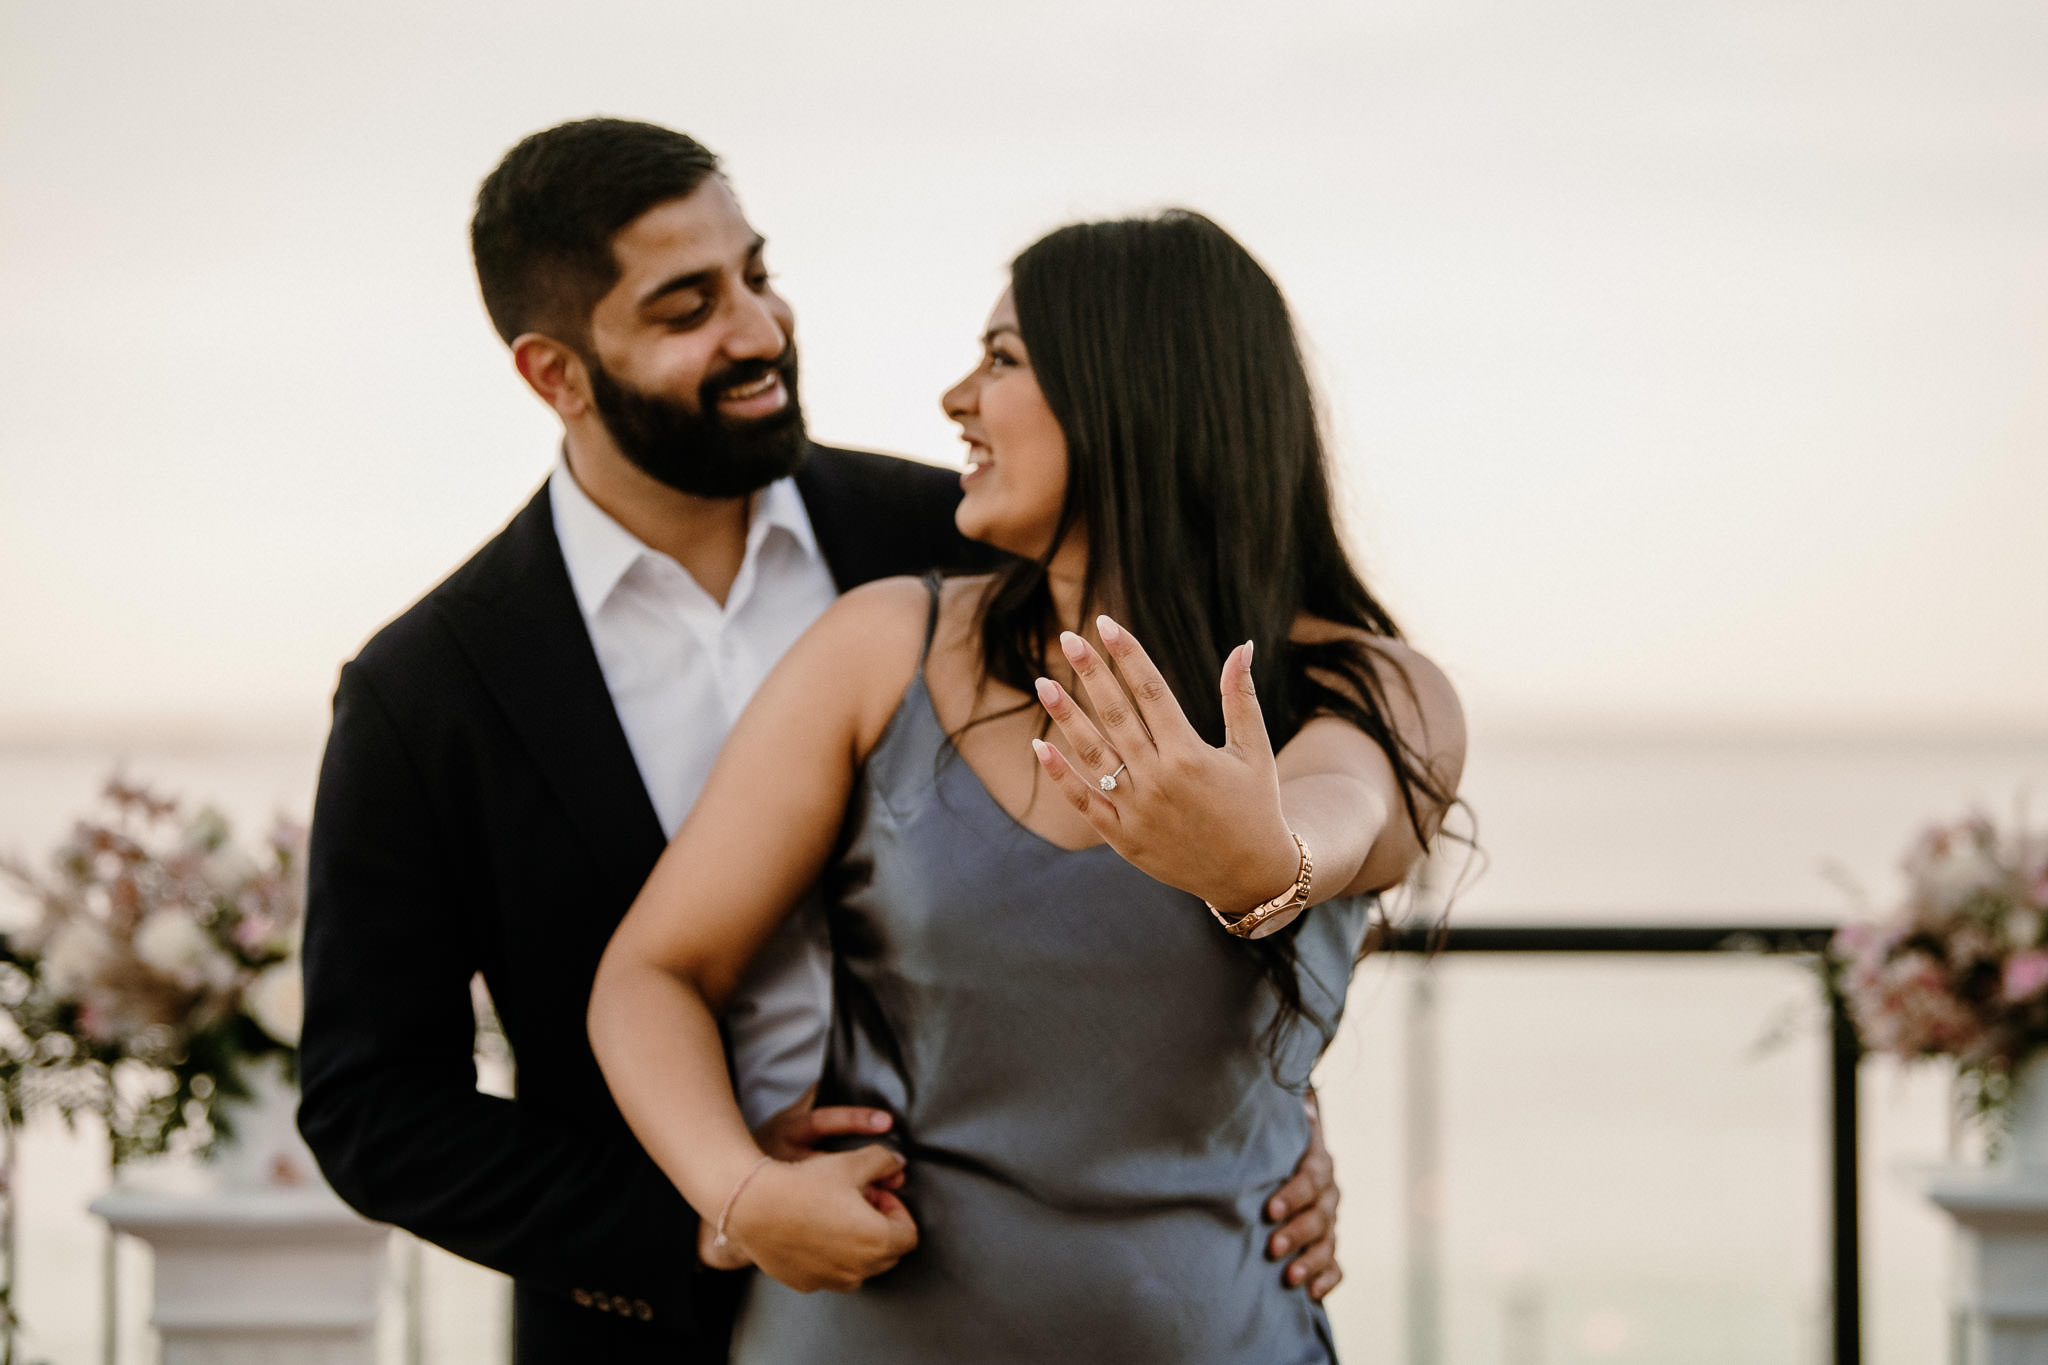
<point x="1854" y="939"/>
<point x="2026" y="976"/>
<point x="99" y="1023"/>
<point x="1908" y="1008"/>
<point x="252" y="934"/>
<point x="1863" y="947"/>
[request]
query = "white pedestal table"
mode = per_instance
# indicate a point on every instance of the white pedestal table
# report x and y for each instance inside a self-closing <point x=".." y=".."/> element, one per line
<point x="258" y="1276"/>
<point x="2001" y="1216"/>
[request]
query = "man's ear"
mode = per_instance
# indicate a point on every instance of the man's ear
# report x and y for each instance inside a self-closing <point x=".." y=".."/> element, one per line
<point x="553" y="371"/>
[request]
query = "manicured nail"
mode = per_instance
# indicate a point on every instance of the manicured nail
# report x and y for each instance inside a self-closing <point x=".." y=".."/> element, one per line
<point x="878" y="1121"/>
<point x="1039" y="747"/>
<point x="1112" y="633"/>
<point x="1073" y="646"/>
<point x="1249" y="645"/>
<point x="1048" y="691"/>
<point x="1276" y="1210"/>
<point x="1280" y="1245"/>
<point x="1295" y="1273"/>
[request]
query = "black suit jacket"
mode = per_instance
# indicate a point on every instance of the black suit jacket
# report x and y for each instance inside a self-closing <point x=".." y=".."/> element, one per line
<point x="479" y="810"/>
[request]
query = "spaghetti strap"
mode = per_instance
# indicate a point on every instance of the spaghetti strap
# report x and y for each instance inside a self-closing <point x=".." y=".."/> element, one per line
<point x="933" y="582"/>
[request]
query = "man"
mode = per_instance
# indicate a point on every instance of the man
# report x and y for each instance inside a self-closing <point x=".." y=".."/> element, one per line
<point x="509" y="757"/>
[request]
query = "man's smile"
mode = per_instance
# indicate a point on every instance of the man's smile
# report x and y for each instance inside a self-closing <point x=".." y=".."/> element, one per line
<point x="762" y="397"/>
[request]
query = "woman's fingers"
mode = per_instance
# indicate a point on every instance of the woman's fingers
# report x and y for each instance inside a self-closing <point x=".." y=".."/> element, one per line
<point x="884" y="1200"/>
<point x="902" y="1227"/>
<point x="1157" y="707"/>
<point x="873" y="1168"/>
<point x="1244" y="724"/>
<point x="1119" y="719"/>
<point x="866" y="1165"/>
<point x="1081" y="795"/>
<point x="825" y="1223"/>
<point x="1095" y="755"/>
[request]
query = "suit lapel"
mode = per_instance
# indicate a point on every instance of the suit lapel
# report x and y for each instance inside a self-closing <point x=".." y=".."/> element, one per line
<point x="518" y="621"/>
<point x="843" y="516"/>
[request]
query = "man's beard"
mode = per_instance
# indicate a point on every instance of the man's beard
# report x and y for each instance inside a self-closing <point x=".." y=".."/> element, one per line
<point x="697" y="452"/>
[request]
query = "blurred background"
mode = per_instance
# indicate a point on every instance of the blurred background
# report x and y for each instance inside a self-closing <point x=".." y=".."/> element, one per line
<point x="1684" y="364"/>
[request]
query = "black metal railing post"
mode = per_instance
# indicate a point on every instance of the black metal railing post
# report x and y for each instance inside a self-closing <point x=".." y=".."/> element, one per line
<point x="1844" y="1052"/>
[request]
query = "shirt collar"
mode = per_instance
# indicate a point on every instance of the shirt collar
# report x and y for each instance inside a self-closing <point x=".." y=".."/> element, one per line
<point x="598" y="552"/>
<point x="780" y="505"/>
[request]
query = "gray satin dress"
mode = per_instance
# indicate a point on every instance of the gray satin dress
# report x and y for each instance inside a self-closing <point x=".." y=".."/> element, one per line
<point x="1072" y="1052"/>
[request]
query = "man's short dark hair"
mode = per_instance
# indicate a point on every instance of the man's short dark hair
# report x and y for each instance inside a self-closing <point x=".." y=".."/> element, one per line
<point x="545" y="218"/>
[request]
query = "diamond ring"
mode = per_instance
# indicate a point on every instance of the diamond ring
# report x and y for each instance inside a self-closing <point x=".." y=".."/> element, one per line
<point x="1108" y="780"/>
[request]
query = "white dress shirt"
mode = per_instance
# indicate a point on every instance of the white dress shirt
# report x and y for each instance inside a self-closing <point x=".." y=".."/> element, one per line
<point x="680" y="668"/>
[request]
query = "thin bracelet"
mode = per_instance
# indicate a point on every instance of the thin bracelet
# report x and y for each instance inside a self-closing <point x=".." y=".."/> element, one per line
<point x="720" y="1240"/>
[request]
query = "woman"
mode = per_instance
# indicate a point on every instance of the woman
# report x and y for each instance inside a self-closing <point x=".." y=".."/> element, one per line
<point x="1092" y="1076"/>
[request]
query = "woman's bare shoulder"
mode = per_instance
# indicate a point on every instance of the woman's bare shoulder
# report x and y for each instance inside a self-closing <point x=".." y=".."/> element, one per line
<point x="884" y="612"/>
<point x="1385" y="652"/>
<point x="883" y="602"/>
<point x="1425" y="705"/>
<point x="864" y="649"/>
<point x="890" y="599"/>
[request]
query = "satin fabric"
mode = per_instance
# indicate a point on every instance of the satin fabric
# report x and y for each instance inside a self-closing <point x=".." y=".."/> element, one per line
<point x="1073" y="1054"/>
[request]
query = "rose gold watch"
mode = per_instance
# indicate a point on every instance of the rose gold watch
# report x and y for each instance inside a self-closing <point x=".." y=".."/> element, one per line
<point x="1245" y="925"/>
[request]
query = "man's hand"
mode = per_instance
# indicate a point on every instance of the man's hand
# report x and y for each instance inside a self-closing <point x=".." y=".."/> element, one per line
<point x="796" y="1132"/>
<point x="1306" y="1209"/>
<point x="793" y="1135"/>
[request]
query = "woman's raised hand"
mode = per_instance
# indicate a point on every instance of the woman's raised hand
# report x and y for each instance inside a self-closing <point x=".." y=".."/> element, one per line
<point x="826" y="1222"/>
<point x="1204" y="819"/>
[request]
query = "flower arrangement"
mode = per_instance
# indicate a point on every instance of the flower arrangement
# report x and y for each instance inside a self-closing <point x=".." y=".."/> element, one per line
<point x="159" y="959"/>
<point x="1961" y="968"/>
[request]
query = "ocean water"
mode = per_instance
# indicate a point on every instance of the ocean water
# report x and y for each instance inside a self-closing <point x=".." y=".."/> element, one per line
<point x="1625" y="1173"/>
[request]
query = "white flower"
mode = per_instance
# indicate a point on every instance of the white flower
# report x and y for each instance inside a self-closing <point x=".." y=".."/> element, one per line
<point x="73" y="957"/>
<point x="1953" y="874"/>
<point x="32" y="939"/>
<point x="226" y="867"/>
<point x="276" y="1000"/>
<point x="171" y="943"/>
<point x="208" y="830"/>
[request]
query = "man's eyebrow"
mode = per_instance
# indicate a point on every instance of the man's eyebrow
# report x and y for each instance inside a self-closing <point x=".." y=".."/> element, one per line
<point x="695" y="279"/>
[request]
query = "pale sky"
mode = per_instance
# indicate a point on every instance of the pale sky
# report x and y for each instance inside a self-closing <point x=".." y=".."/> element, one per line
<point x="1685" y="361"/>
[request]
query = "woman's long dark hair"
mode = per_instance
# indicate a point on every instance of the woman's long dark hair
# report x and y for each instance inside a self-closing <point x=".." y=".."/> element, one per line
<point x="1196" y="466"/>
